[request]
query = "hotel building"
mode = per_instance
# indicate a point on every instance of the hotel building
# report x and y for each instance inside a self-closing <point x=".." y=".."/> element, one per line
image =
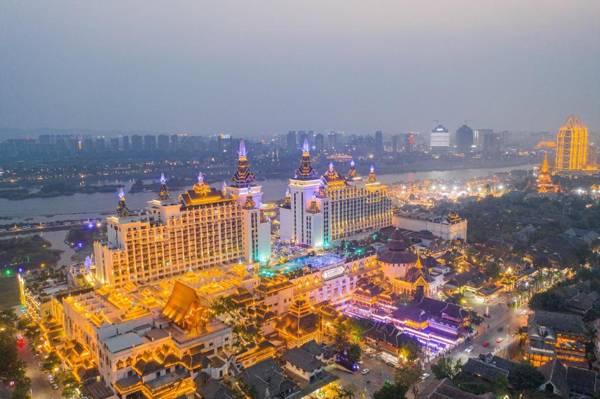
<point x="572" y="146"/>
<point x="204" y="227"/>
<point x="318" y="211"/>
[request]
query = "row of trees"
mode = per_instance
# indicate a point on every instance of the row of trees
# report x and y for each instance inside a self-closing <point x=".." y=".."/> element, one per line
<point x="12" y="369"/>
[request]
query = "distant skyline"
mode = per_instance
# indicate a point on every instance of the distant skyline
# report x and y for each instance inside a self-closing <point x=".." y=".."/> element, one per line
<point x="258" y="68"/>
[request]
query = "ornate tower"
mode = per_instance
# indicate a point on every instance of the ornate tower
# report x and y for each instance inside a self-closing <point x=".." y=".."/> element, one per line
<point x="544" y="179"/>
<point x="257" y="227"/>
<point x="302" y="188"/>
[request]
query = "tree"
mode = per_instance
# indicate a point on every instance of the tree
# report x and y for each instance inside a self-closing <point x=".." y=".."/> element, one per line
<point x="525" y="377"/>
<point x="409" y="348"/>
<point x="500" y="386"/>
<point x="408" y="375"/>
<point x="391" y="391"/>
<point x="446" y="368"/>
<point x="354" y="353"/>
<point x="344" y="393"/>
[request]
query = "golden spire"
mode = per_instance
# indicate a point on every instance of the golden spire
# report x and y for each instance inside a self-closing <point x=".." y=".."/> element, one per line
<point x="242" y="177"/>
<point x="545" y="168"/>
<point x="122" y="207"/>
<point x="372" y="176"/>
<point x="305" y="171"/>
<point x="163" y="194"/>
<point x="201" y="188"/>
<point x="419" y="265"/>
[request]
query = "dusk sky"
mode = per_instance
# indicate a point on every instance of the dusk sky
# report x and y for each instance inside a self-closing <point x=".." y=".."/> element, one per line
<point x="257" y="67"/>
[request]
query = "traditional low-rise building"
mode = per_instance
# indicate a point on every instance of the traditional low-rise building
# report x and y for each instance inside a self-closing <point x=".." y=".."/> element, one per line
<point x="553" y="335"/>
<point x="448" y="227"/>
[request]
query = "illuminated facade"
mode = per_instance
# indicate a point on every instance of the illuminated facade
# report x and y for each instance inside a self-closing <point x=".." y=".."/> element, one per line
<point x="450" y="227"/>
<point x="553" y="335"/>
<point x="204" y="227"/>
<point x="402" y="268"/>
<point x="544" y="179"/>
<point x="572" y="146"/>
<point x="319" y="211"/>
<point x="256" y="225"/>
<point x="439" y="139"/>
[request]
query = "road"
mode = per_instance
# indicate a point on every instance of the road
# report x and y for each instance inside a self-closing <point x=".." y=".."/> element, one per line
<point x="379" y="373"/>
<point x="501" y="324"/>
<point x="40" y="386"/>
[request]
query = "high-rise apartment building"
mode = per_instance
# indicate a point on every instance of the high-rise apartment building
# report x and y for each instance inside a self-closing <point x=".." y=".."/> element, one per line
<point x="203" y="228"/>
<point x="572" y="146"/>
<point x="320" y="210"/>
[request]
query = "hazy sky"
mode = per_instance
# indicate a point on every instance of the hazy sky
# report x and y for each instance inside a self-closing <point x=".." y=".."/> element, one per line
<point x="250" y="67"/>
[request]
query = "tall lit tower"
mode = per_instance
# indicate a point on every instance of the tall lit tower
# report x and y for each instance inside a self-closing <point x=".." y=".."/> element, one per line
<point x="572" y="145"/>
<point x="303" y="188"/>
<point x="319" y="211"/>
<point x="256" y="227"/>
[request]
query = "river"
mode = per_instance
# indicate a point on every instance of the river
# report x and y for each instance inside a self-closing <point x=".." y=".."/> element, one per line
<point x="96" y="206"/>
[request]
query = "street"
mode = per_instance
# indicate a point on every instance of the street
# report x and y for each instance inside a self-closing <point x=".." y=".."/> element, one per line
<point x="40" y="387"/>
<point x="379" y="373"/>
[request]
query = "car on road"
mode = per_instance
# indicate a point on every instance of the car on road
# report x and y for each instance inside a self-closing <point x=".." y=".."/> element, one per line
<point x="424" y="376"/>
<point x="499" y="339"/>
<point x="365" y="371"/>
<point x="469" y="349"/>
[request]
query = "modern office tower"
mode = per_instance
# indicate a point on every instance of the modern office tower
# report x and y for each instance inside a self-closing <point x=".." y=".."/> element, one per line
<point x="125" y="144"/>
<point x="256" y="226"/>
<point x="378" y="142"/>
<point x="137" y="143"/>
<point x="291" y="141"/>
<point x="492" y="143"/>
<point x="149" y="143"/>
<point x="572" y="146"/>
<point x="319" y="142"/>
<point x="479" y="138"/>
<point x="318" y="211"/>
<point x="163" y="143"/>
<point x="464" y="139"/>
<point x="439" y="140"/>
<point x="202" y="228"/>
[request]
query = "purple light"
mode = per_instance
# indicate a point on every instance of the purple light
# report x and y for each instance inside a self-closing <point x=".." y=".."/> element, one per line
<point x="90" y="225"/>
<point x="80" y="244"/>
<point x="20" y="270"/>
